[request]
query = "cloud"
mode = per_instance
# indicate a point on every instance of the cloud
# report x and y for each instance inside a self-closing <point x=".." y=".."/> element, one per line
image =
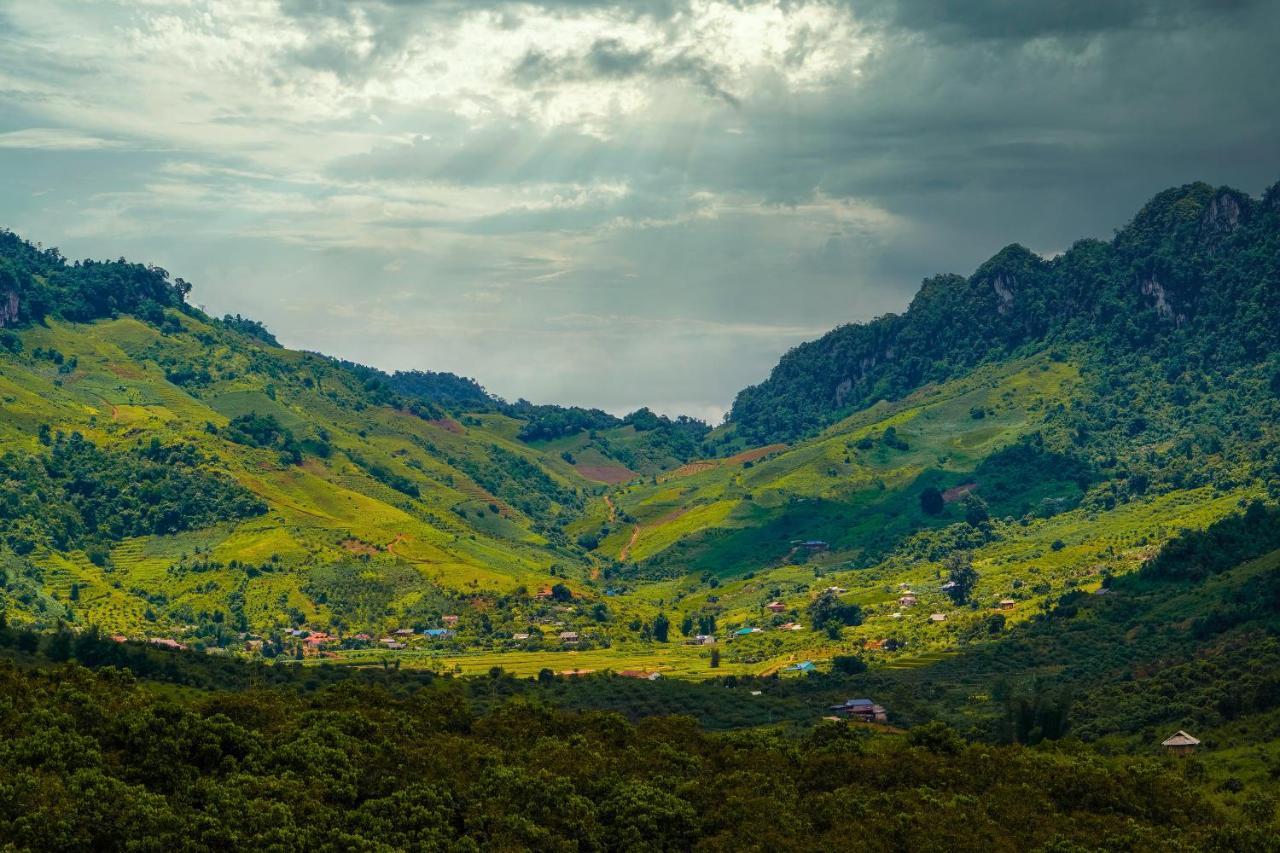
<point x="1016" y="20"/>
<point x="56" y="139"/>
<point x="611" y="59"/>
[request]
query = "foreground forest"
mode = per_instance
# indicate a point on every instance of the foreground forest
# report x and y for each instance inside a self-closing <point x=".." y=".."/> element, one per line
<point x="127" y="747"/>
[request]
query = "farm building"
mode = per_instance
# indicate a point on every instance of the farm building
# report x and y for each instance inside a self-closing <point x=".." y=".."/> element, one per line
<point x="803" y="666"/>
<point x="568" y="637"/>
<point x="703" y="640"/>
<point x="1008" y="604"/>
<point x="776" y="607"/>
<point x="907" y="600"/>
<point x="640" y="673"/>
<point x="1180" y="743"/>
<point x="520" y="636"/>
<point x="938" y="617"/>
<point x="863" y="710"/>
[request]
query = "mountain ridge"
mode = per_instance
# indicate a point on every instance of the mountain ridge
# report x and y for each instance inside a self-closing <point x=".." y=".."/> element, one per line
<point x="1156" y="265"/>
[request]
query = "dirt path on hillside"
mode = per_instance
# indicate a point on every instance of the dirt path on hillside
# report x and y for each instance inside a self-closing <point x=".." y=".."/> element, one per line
<point x="390" y="546"/>
<point x="613" y="510"/>
<point x="626" y="549"/>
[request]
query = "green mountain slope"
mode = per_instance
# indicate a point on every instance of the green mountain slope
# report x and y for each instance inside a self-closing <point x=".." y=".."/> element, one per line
<point x="1188" y="287"/>
<point x="1031" y="430"/>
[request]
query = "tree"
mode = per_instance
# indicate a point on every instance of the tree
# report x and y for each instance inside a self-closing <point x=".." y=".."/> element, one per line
<point x="827" y="608"/>
<point x="975" y="511"/>
<point x="848" y="664"/>
<point x="59" y="648"/>
<point x="560" y="592"/>
<point x="715" y="658"/>
<point x="661" y="627"/>
<point x="962" y="576"/>
<point x="931" y="501"/>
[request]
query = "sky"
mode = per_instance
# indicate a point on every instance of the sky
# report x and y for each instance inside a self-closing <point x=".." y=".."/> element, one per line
<point x="609" y="204"/>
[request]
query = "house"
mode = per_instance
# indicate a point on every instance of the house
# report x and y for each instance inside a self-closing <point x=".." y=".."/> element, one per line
<point x="1008" y="604"/>
<point x="449" y="620"/>
<point x="704" y="640"/>
<point x="438" y="633"/>
<point x="394" y="646"/>
<point x="874" y="645"/>
<point x="119" y="638"/>
<point x="803" y="666"/>
<point x="1180" y="743"/>
<point x="166" y="643"/>
<point x="776" y="607"/>
<point x="568" y="636"/>
<point x="520" y="636"/>
<point x="545" y="592"/>
<point x="862" y="710"/>
<point x="938" y="617"/>
<point x="742" y="632"/>
<point x="837" y="590"/>
<point x="640" y="673"/>
<point x="815" y="545"/>
<point x="757" y="692"/>
<point x="404" y="632"/>
<point x="364" y="638"/>
<point x="948" y="585"/>
<point x="907" y="600"/>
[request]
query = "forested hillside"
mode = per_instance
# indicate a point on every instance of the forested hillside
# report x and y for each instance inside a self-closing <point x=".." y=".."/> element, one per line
<point x="1024" y="434"/>
<point x="1187" y="290"/>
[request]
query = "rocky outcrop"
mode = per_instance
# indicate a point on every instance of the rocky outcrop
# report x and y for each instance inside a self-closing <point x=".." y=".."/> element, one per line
<point x="1153" y="289"/>
<point x="1004" y="290"/>
<point x="1223" y="214"/>
<point x="8" y="309"/>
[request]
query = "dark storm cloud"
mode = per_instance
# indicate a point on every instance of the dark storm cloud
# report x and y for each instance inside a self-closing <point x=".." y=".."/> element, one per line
<point x="610" y="59"/>
<point x="1020" y="19"/>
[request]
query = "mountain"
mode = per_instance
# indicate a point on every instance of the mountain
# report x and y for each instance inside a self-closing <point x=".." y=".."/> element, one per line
<point x="1016" y="436"/>
<point x="1190" y="284"/>
<point x="1034" y="518"/>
